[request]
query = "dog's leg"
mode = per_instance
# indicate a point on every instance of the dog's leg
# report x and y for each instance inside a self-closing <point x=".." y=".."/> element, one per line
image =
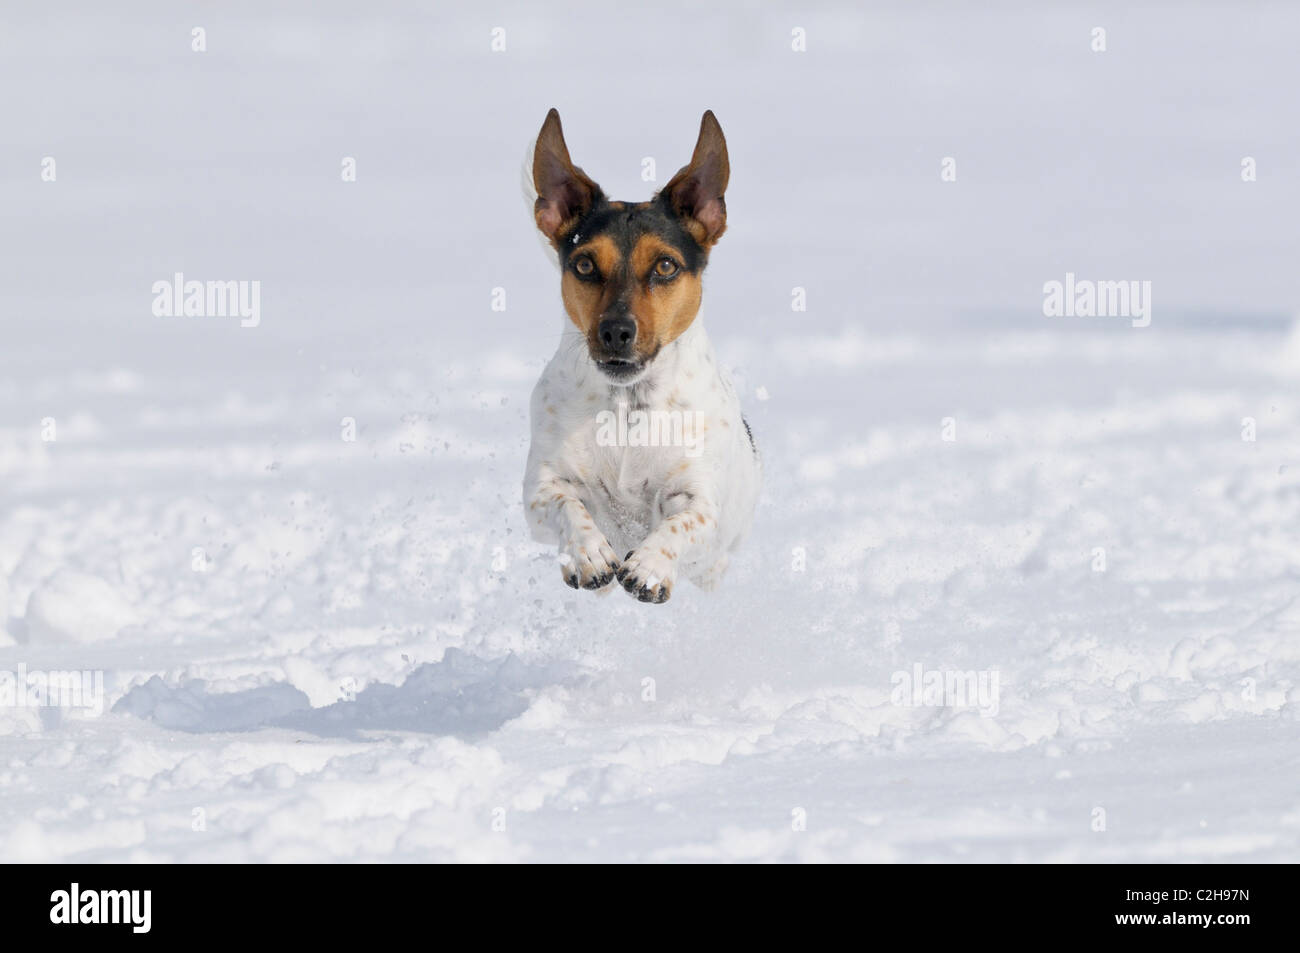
<point x="587" y="561"/>
<point x="690" y="524"/>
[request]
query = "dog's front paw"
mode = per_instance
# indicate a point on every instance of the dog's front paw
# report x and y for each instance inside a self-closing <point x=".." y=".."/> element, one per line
<point x="648" y="575"/>
<point x="588" y="563"/>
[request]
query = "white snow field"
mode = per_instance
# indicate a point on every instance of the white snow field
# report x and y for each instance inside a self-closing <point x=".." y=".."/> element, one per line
<point x="320" y="649"/>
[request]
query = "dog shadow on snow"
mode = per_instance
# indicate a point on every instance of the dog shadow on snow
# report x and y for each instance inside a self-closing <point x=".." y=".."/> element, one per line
<point x="461" y="695"/>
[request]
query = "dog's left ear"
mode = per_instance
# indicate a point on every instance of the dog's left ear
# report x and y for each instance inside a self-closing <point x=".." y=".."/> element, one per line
<point x="564" y="192"/>
<point x="696" y="191"/>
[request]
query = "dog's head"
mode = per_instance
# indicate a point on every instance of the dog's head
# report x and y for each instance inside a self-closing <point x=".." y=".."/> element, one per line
<point x="631" y="271"/>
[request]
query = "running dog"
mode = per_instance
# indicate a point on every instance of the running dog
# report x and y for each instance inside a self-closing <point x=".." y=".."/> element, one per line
<point x="638" y="442"/>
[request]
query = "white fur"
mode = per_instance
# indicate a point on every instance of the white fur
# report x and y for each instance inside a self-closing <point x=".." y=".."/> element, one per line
<point x="529" y="191"/>
<point x="675" y="509"/>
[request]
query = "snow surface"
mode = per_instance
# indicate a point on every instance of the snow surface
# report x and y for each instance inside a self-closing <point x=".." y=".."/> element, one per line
<point x="315" y="649"/>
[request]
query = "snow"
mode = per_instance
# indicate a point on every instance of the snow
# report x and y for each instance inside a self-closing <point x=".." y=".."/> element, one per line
<point x="76" y="607"/>
<point x="316" y="648"/>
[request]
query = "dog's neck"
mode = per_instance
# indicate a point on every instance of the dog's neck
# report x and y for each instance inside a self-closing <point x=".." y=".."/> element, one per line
<point x="689" y="351"/>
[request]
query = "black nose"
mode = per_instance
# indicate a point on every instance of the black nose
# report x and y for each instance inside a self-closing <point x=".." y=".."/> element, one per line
<point x="618" y="335"/>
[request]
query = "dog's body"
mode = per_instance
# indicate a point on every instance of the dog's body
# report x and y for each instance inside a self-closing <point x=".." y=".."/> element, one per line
<point x="638" y="443"/>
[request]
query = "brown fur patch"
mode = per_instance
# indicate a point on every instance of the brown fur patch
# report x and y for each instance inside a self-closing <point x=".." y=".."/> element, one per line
<point x="585" y="301"/>
<point x="663" y="309"/>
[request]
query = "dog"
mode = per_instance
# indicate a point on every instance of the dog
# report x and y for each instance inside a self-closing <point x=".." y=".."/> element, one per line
<point x="638" y="441"/>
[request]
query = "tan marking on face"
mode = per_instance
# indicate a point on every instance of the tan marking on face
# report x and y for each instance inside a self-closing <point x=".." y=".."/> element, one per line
<point x="606" y="252"/>
<point x="586" y="301"/>
<point x="663" y="309"/>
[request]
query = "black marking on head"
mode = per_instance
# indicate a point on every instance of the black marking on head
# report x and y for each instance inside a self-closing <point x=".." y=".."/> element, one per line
<point x="750" y="434"/>
<point x="625" y="224"/>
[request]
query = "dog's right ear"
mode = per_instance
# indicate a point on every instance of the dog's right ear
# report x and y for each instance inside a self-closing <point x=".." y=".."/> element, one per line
<point x="564" y="192"/>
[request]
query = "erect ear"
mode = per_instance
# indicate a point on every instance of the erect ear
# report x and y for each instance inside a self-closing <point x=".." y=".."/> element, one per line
<point x="696" y="191"/>
<point x="563" y="190"/>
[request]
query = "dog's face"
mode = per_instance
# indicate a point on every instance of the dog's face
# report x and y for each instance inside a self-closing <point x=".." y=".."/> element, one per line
<point x="631" y="271"/>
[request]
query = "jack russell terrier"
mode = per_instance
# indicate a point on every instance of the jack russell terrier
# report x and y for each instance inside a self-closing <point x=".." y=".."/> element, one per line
<point x="638" y="443"/>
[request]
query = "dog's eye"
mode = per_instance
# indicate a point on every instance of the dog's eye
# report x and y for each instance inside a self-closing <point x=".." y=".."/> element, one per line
<point x="665" y="268"/>
<point x="584" y="266"/>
